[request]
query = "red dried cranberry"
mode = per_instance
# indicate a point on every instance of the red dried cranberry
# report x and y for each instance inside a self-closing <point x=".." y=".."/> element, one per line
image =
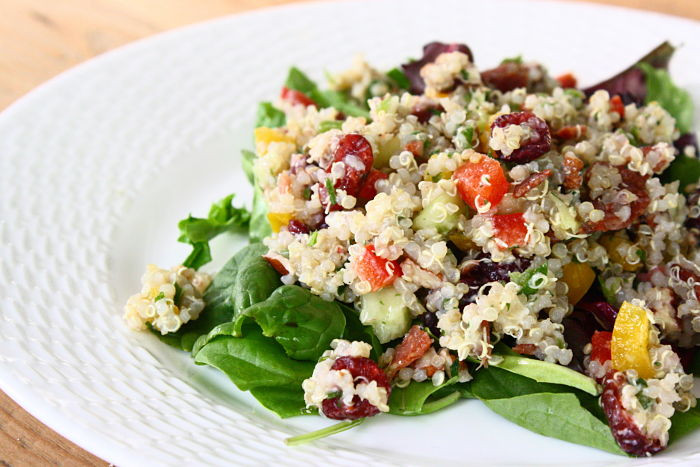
<point x="484" y="270"/>
<point x="506" y="76"/>
<point x="624" y="430"/>
<point x="430" y="321"/>
<point x="366" y="370"/>
<point x="297" y="227"/>
<point x="533" y="147"/>
<point x="423" y="111"/>
<point x="368" y="190"/>
<point x="356" y="153"/>
<point x="603" y="312"/>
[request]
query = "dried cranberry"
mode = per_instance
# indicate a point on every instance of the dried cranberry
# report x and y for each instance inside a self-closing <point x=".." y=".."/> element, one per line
<point x="430" y="321"/>
<point x="603" y="312"/>
<point x="297" y="227"/>
<point x="483" y="270"/>
<point x="366" y="371"/>
<point x="506" y="76"/>
<point x="537" y="144"/>
<point x="688" y="139"/>
<point x="431" y="51"/>
<point x="632" y="182"/>
<point x="368" y="190"/>
<point x="356" y="153"/>
<point x="424" y="110"/>
<point x="624" y="430"/>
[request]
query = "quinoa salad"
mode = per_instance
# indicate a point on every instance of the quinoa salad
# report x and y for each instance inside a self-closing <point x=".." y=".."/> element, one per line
<point x="440" y="232"/>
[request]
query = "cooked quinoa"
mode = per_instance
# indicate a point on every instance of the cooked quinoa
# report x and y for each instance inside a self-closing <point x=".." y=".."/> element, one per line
<point x="470" y="216"/>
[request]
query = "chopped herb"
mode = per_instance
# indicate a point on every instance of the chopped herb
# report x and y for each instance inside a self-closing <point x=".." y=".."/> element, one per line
<point x="329" y="125"/>
<point x="334" y="394"/>
<point x="307" y="193"/>
<point x="331" y="190"/>
<point x="313" y="238"/>
<point x="160" y="296"/>
<point x="645" y="401"/>
<point x="437" y="178"/>
<point x="642" y="254"/>
<point x="468" y="134"/>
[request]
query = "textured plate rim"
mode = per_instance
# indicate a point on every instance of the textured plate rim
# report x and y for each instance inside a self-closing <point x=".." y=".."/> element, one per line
<point x="30" y="401"/>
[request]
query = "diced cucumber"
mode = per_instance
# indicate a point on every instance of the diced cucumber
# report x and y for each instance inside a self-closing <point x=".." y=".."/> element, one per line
<point x="436" y="214"/>
<point x="385" y="311"/>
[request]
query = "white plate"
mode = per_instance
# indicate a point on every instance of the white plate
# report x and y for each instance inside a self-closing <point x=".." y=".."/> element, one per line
<point x="99" y="164"/>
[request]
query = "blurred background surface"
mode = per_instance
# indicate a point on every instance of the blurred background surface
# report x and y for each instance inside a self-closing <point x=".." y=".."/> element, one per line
<point x="41" y="38"/>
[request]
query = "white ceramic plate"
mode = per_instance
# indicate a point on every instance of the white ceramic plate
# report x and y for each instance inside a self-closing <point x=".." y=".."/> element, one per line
<point x="99" y="164"/>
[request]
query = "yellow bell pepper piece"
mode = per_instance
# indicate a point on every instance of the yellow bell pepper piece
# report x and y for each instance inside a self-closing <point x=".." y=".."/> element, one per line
<point x="278" y="220"/>
<point x="578" y="277"/>
<point x="630" y="341"/>
<point x="617" y="247"/>
<point x="264" y="136"/>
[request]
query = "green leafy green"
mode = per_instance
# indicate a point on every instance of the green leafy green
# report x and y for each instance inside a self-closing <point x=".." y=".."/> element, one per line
<point x="259" y="224"/>
<point x="323" y="433"/>
<point x="684" y="169"/>
<point x="415" y="399"/>
<point x="557" y="415"/>
<point x="301" y="322"/>
<point x="258" y="364"/>
<point x="269" y="116"/>
<point x="223" y="217"/>
<point x="297" y="80"/>
<point x="247" y="161"/>
<point x="517" y="60"/>
<point x="326" y="125"/>
<point x="399" y="78"/>
<point x="244" y="280"/>
<point x="676" y="101"/>
<point x="683" y="423"/>
<point x="545" y="372"/>
<point x="524" y="278"/>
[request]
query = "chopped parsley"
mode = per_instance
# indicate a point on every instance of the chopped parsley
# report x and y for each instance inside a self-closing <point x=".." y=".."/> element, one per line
<point x="331" y="190"/>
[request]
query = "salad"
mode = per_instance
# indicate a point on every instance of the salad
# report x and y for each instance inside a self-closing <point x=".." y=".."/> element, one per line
<point x="440" y="232"/>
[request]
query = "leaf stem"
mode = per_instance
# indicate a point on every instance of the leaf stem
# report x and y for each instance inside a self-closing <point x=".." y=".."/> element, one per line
<point x="322" y="433"/>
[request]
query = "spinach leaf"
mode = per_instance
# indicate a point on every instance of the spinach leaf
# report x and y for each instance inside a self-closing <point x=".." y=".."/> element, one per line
<point x="415" y="399"/>
<point x="244" y="280"/>
<point x="675" y="100"/>
<point x="259" y="225"/>
<point x="557" y="415"/>
<point x="683" y="423"/>
<point x="298" y="81"/>
<point x="258" y="364"/>
<point x="247" y="161"/>
<point x="399" y="78"/>
<point x="269" y="116"/>
<point x="545" y="372"/>
<point x="495" y="383"/>
<point x="223" y="217"/>
<point x="301" y="322"/>
<point x="684" y="169"/>
<point x="356" y="331"/>
<point x="524" y="278"/>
